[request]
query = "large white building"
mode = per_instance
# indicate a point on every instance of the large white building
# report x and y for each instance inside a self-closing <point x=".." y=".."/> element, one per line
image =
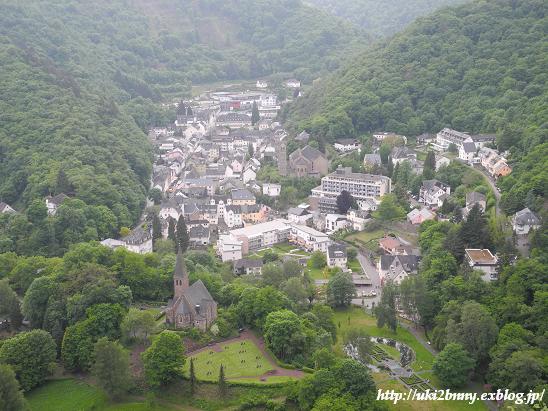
<point x="447" y="136"/>
<point x="360" y="186"/>
<point x="308" y="238"/>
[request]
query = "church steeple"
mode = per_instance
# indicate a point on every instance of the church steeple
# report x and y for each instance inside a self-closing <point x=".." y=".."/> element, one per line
<point x="180" y="276"/>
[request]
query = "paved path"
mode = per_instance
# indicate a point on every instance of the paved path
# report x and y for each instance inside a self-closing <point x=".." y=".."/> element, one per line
<point x="418" y="336"/>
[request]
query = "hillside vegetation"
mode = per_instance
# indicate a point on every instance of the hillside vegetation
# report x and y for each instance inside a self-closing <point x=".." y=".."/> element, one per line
<point x="478" y="68"/>
<point x="381" y="18"/>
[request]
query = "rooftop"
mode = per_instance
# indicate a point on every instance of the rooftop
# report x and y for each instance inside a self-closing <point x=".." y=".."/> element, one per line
<point x="481" y="256"/>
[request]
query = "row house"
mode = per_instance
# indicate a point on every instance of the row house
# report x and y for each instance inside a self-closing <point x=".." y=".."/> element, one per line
<point x="495" y="164"/>
<point x="308" y="238"/>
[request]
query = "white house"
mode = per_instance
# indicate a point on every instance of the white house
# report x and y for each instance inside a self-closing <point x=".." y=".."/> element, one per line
<point x="467" y="151"/>
<point x="233" y="216"/>
<point x="138" y="241"/>
<point x="358" y="219"/>
<point x="396" y="268"/>
<point x="271" y="189"/>
<point x="433" y="192"/>
<point x="524" y="221"/>
<point x="249" y="173"/>
<point x="298" y="215"/>
<point x="483" y="260"/>
<point x="261" y="84"/>
<point x="336" y="256"/>
<point x="53" y="203"/>
<point x="347" y="144"/>
<point x="229" y="248"/>
<point x="5" y="208"/>
<point x="441" y="161"/>
<point x="293" y="83"/>
<point x="336" y="222"/>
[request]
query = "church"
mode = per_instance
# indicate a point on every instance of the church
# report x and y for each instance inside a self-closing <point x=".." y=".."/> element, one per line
<point x="192" y="305"/>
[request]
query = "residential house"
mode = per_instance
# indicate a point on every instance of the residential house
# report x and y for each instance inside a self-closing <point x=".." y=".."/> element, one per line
<point x="271" y="189"/>
<point x="441" y="161"/>
<point x="5" y="208"/>
<point x="170" y="209"/>
<point x="345" y="145"/>
<point x="138" y="241"/>
<point x="198" y="236"/>
<point x="192" y="305"/>
<point x="254" y="214"/>
<point x="261" y="84"/>
<point x="524" y="221"/>
<point x="293" y="83"/>
<point x="372" y="161"/>
<point x="483" y="260"/>
<point x="299" y="215"/>
<point x="242" y="197"/>
<point x="400" y="154"/>
<point x="433" y="192"/>
<point x="336" y="256"/>
<point x="495" y="164"/>
<point x="336" y="222"/>
<point x="308" y="162"/>
<point x="233" y="216"/>
<point x="53" y="203"/>
<point x="447" y="137"/>
<point x="303" y="137"/>
<point x="233" y="120"/>
<point x="467" y="151"/>
<point x="249" y="173"/>
<point x="358" y="219"/>
<point x="396" y="268"/>
<point x="248" y="266"/>
<point x="394" y="246"/>
<point x="229" y="248"/>
<point x="472" y="199"/>
<point x="417" y="216"/>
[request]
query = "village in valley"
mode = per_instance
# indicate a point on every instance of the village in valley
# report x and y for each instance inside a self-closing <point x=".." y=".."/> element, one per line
<point x="221" y="167"/>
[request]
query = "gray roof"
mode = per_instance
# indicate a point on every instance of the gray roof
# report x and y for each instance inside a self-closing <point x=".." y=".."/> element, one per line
<point x="336" y="251"/>
<point x="298" y="211"/>
<point x="526" y="217"/>
<point x="469" y="147"/>
<point x="198" y="231"/>
<point x="180" y="268"/>
<point x="247" y="263"/>
<point x="372" y="158"/>
<point x="310" y="153"/>
<point x="408" y="262"/>
<point x="58" y="199"/>
<point x="137" y="236"/>
<point x="242" y="194"/>
<point x="474" y="197"/>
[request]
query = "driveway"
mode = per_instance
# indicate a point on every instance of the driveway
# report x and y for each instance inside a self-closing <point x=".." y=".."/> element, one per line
<point x="370" y="270"/>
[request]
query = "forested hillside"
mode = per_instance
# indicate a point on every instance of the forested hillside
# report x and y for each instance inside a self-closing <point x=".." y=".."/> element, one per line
<point x="480" y="67"/>
<point x="381" y="18"/>
<point x="80" y="82"/>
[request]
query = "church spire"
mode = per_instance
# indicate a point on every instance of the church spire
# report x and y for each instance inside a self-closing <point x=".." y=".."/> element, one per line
<point x="180" y="276"/>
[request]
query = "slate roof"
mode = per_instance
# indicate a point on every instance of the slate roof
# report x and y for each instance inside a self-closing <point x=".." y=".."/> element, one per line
<point x="242" y="194"/>
<point x="469" y="147"/>
<point x="336" y="251"/>
<point x="198" y="231"/>
<point x="247" y="263"/>
<point x="526" y="217"/>
<point x="298" y="211"/>
<point x="409" y="263"/>
<point x="474" y="197"/>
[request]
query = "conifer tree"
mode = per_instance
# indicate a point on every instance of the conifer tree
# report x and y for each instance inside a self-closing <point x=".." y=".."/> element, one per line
<point x="182" y="234"/>
<point x="192" y="377"/>
<point x="222" y="382"/>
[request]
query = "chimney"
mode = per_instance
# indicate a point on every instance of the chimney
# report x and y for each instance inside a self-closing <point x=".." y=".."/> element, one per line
<point x="197" y="308"/>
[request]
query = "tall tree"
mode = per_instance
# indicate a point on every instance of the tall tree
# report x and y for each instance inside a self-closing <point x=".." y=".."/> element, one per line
<point x="255" y="117"/>
<point x="11" y="396"/>
<point x="345" y="201"/>
<point x="340" y="290"/>
<point x="182" y="234"/>
<point x="430" y="161"/>
<point x="111" y="367"/>
<point x="163" y="361"/>
<point x="9" y="304"/>
<point x="30" y="354"/>
<point x="171" y="231"/>
<point x="156" y="228"/>
<point x="385" y="311"/>
<point x="453" y="365"/>
<point x="62" y="183"/>
<point x="223" y="387"/>
<point x="474" y="231"/>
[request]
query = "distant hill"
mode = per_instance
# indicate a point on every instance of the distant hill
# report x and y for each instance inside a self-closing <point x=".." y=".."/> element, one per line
<point x="480" y="67"/>
<point x="80" y="81"/>
<point x="381" y="18"/>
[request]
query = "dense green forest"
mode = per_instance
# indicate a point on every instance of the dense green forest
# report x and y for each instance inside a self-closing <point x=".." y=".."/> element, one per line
<point x="478" y="68"/>
<point x="381" y="18"/>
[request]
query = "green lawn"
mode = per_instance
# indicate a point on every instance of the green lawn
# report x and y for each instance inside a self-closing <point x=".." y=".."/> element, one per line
<point x="356" y="318"/>
<point x="236" y="362"/>
<point x="355" y="265"/>
<point x="66" y="395"/>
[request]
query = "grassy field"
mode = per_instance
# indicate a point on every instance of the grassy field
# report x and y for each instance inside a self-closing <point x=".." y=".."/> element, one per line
<point x="239" y="360"/>
<point x="356" y="318"/>
<point x="66" y="395"/>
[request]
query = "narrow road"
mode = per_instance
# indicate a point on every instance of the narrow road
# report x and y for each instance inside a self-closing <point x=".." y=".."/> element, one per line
<point x="491" y="183"/>
<point x="418" y="336"/>
<point x="370" y="270"/>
